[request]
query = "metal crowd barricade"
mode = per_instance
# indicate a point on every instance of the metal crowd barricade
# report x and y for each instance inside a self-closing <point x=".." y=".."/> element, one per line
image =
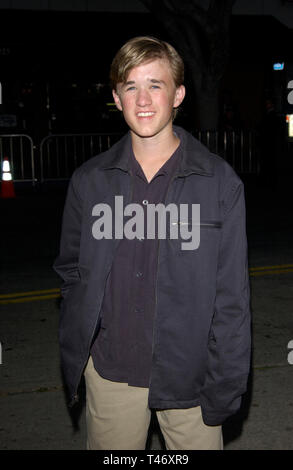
<point x="61" y="154"/>
<point x="239" y="148"/>
<point x="19" y="149"/>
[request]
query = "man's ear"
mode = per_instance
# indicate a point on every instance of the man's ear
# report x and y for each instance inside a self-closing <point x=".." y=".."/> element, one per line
<point x="179" y="96"/>
<point x="117" y="100"/>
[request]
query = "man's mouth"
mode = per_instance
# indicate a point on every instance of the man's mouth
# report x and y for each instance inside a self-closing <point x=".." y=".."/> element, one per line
<point x="145" y="114"/>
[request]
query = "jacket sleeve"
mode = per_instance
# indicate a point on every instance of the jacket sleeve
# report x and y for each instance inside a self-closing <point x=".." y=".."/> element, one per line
<point x="229" y="348"/>
<point x="66" y="264"/>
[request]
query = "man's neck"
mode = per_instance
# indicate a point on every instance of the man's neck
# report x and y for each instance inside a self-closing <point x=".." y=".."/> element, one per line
<point x="152" y="152"/>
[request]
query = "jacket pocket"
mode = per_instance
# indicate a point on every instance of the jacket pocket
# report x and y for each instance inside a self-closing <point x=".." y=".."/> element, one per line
<point x="84" y="273"/>
<point x="187" y="235"/>
<point x="211" y="224"/>
<point x="203" y="224"/>
<point x="70" y="284"/>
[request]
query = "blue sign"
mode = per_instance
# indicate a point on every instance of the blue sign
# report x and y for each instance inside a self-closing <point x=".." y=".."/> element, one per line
<point x="279" y="66"/>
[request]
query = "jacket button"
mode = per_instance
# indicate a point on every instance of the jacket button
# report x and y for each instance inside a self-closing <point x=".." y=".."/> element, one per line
<point x="138" y="310"/>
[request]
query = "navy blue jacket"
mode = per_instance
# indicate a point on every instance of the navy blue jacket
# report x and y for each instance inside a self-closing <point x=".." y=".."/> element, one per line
<point x="202" y="334"/>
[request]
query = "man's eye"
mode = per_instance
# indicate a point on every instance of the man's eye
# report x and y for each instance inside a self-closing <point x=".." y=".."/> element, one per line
<point x="155" y="86"/>
<point x="130" y="88"/>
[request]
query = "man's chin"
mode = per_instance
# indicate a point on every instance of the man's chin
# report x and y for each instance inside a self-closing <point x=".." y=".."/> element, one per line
<point x="144" y="134"/>
<point x="149" y="133"/>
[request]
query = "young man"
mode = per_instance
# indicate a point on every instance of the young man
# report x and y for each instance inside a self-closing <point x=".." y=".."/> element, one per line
<point x="154" y="322"/>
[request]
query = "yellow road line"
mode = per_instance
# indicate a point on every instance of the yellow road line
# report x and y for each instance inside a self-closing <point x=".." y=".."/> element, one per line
<point x="29" y="299"/>
<point x="32" y="292"/>
<point x="268" y="272"/>
<point x="263" y="268"/>
<point x="29" y="296"/>
<point x="44" y="294"/>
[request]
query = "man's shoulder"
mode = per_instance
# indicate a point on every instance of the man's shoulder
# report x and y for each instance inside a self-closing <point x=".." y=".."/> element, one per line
<point x="213" y="163"/>
<point x="223" y="169"/>
<point x="100" y="161"/>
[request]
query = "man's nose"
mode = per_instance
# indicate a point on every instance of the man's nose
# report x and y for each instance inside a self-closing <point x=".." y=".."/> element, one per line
<point x="143" y="98"/>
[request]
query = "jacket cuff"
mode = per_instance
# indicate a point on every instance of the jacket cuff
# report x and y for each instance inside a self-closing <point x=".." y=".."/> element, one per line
<point x="217" y="417"/>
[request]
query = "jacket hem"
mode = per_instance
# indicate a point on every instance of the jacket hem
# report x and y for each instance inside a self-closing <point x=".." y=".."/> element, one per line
<point x="216" y="418"/>
<point x="173" y="404"/>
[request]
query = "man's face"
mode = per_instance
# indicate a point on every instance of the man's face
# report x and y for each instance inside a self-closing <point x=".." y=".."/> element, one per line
<point x="148" y="97"/>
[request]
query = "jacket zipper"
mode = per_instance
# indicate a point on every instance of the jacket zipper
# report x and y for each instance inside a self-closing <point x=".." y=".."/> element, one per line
<point x="156" y="284"/>
<point x="75" y="397"/>
<point x="203" y="224"/>
<point x="200" y="224"/>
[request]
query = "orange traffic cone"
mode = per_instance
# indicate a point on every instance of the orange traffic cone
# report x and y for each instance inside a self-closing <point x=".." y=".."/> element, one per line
<point x="7" y="186"/>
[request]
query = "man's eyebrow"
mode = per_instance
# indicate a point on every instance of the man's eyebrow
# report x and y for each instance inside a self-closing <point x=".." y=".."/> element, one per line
<point x="155" y="80"/>
<point x="152" y="80"/>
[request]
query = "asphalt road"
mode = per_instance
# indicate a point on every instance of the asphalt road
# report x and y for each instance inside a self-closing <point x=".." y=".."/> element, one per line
<point x="33" y="411"/>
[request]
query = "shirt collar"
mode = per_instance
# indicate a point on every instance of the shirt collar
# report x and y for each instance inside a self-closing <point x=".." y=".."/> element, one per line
<point x="195" y="156"/>
<point x="166" y="169"/>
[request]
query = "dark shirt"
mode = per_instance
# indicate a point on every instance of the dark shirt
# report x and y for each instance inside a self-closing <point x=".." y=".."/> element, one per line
<point x="122" y="351"/>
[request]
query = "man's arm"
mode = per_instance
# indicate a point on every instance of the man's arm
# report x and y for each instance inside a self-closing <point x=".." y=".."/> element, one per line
<point x="230" y="336"/>
<point x="66" y="265"/>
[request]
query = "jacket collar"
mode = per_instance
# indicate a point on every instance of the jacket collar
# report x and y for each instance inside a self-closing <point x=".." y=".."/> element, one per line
<point x="196" y="157"/>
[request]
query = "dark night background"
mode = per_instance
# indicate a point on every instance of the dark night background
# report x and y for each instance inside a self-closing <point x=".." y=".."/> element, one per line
<point x="63" y="55"/>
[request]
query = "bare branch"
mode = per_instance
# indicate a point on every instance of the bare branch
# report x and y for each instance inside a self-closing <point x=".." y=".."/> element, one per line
<point x="190" y="9"/>
<point x="219" y="13"/>
<point x="147" y="3"/>
<point x="176" y="27"/>
<point x="200" y="34"/>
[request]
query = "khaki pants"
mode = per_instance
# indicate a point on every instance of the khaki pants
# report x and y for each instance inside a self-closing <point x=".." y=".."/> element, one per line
<point x="118" y="418"/>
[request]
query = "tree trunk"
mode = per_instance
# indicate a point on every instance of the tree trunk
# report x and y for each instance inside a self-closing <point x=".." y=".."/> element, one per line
<point x="202" y="37"/>
<point x="207" y="101"/>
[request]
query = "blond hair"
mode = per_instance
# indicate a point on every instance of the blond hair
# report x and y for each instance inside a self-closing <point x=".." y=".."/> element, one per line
<point x="143" y="49"/>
